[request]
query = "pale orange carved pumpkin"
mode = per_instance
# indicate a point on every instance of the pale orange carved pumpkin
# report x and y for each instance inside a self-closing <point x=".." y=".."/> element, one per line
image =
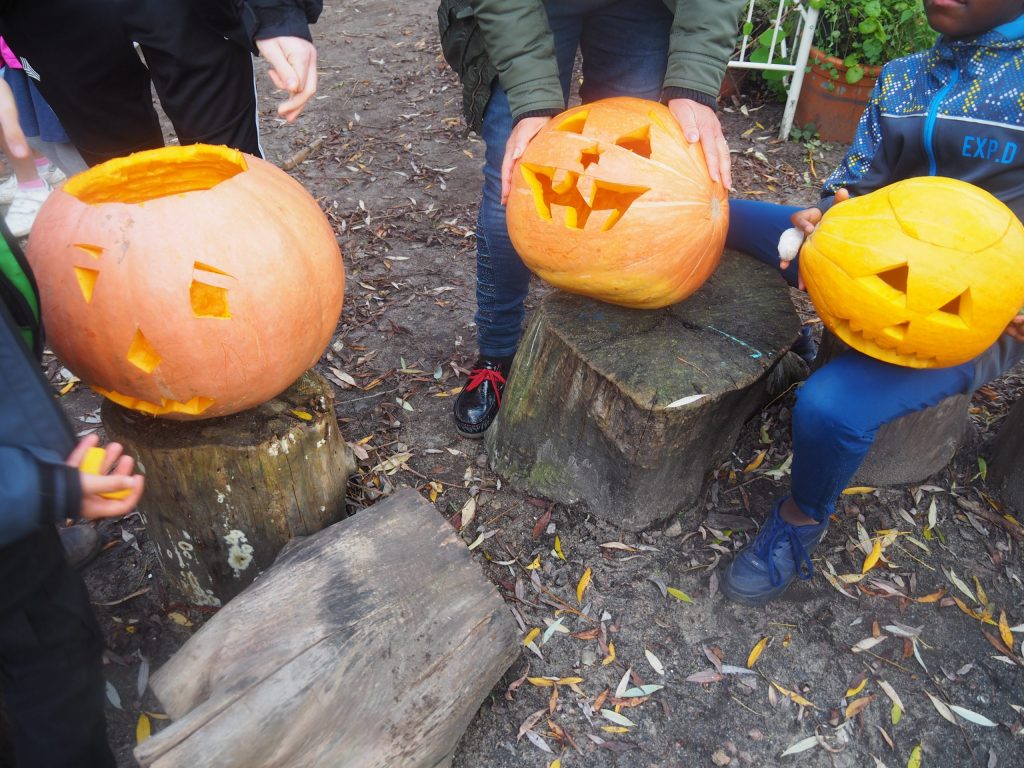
<point x="925" y="273"/>
<point x="187" y="282"/>
<point x="610" y="201"/>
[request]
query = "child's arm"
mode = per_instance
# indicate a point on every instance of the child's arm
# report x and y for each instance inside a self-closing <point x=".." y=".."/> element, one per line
<point x="861" y="170"/>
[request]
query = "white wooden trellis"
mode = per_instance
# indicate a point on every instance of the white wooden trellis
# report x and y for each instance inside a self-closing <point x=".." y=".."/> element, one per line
<point x="803" y="34"/>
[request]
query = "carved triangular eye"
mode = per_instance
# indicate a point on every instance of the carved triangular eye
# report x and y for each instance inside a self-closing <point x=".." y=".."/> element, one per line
<point x="895" y="283"/>
<point x="141" y="353"/>
<point x="638" y="142"/>
<point x="959" y="309"/>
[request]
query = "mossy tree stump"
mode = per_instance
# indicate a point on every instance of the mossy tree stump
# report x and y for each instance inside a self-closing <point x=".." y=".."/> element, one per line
<point x="1007" y="462"/>
<point x="224" y="495"/>
<point x="585" y="415"/>
<point x="368" y="645"/>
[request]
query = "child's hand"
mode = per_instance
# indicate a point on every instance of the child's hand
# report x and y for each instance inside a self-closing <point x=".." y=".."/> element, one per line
<point x="111" y="490"/>
<point x="809" y="218"/>
<point x="1016" y="327"/>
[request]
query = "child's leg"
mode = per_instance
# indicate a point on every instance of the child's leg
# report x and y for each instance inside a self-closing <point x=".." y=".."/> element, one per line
<point x="754" y="229"/>
<point x="839" y="410"/>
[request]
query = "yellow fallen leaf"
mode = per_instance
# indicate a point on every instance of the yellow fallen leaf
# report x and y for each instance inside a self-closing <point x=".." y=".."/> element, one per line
<point x="854" y="707"/>
<point x="934" y="597"/>
<point x="872" y="559"/>
<point x="531" y="636"/>
<point x="179" y="619"/>
<point x="1004" y="630"/>
<point x="582" y="586"/>
<point x="569" y="680"/>
<point x="853" y="490"/>
<point x="535" y="564"/>
<point x="758" y="460"/>
<point x="610" y="657"/>
<point x="540" y="682"/>
<point x="304" y="415"/>
<point x="756" y="652"/>
<point x="556" y="763"/>
<point x="851" y="692"/>
<point x="678" y="594"/>
<point x="915" y="757"/>
<point x="558" y="548"/>
<point x="142" y="729"/>
<point x="793" y="695"/>
<point x="971" y="612"/>
<point x="614" y="729"/>
<point x="69" y="386"/>
<point x="158" y="716"/>
<point x="896" y="714"/>
<point x="982" y="597"/>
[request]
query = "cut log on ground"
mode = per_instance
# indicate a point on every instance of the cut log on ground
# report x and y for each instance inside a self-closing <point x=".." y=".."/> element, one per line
<point x="627" y="410"/>
<point x="1007" y="463"/>
<point x="913" y="448"/>
<point x="224" y="495"/>
<point x="368" y="645"/>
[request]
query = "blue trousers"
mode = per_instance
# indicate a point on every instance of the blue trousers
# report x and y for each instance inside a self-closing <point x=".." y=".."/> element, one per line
<point x="625" y="51"/>
<point x="841" y="406"/>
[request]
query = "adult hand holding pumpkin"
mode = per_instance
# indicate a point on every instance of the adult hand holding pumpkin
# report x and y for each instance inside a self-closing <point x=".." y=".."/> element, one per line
<point x="522" y="134"/>
<point x="700" y="123"/>
<point x="292" y="63"/>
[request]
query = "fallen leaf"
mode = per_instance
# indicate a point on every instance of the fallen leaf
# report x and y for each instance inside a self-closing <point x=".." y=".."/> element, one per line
<point x="706" y="676"/>
<point x="610" y="657"/>
<point x="793" y="695"/>
<point x="617" y="545"/>
<point x="581" y="587"/>
<point x="915" y="757"/>
<point x="873" y="557"/>
<point x="857" y="705"/>
<point x="972" y="717"/>
<point x="535" y="564"/>
<point x="1004" y="630"/>
<point x="655" y="662"/>
<point x="303" y="415"/>
<point x="801" y="746"/>
<point x="468" y="512"/>
<point x="615" y="717"/>
<point x="868" y="643"/>
<point x="752" y="466"/>
<point x="558" y="548"/>
<point x="756" y="652"/>
<point x="678" y="594"/>
<point x="531" y="636"/>
<point x="941" y="708"/>
<point x="643" y="690"/>
<point x="613" y="729"/>
<point x="113" y="696"/>
<point x="856" y="489"/>
<point x="539" y="742"/>
<point x="542" y="682"/>
<point x="142" y="729"/>
<point x="959" y="584"/>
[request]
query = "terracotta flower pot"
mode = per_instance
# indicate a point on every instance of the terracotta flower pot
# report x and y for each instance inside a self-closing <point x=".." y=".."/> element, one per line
<point x="828" y="101"/>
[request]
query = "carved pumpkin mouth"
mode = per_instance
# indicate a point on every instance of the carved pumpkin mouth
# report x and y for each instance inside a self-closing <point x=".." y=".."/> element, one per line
<point x="156" y="173"/>
<point x="192" y="407"/>
<point x="882" y="345"/>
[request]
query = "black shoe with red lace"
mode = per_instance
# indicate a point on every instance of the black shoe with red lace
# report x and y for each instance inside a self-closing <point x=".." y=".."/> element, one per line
<point x="478" y="403"/>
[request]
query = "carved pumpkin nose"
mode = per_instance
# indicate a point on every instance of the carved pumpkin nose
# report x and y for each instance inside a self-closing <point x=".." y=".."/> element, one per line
<point x="924" y="273"/>
<point x="610" y="201"/>
<point x="187" y="282"/>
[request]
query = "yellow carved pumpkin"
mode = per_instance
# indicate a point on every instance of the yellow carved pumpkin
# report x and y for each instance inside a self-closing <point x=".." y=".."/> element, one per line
<point x="610" y="201"/>
<point x="187" y="282"/>
<point x="925" y="273"/>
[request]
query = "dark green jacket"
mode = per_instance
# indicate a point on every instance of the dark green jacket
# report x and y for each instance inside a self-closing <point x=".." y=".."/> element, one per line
<point x="519" y="44"/>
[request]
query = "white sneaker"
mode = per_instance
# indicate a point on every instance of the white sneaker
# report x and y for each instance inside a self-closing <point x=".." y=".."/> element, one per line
<point x="52" y="175"/>
<point x="8" y="189"/>
<point x="26" y="205"/>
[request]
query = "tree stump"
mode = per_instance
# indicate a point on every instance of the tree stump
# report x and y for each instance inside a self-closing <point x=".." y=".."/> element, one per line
<point x="914" y="447"/>
<point x="1007" y="463"/>
<point x="224" y="495"/>
<point x="369" y="644"/>
<point x="627" y="410"/>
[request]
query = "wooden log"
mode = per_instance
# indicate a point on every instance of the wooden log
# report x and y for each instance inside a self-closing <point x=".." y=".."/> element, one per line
<point x="912" y="448"/>
<point x="369" y="644"/>
<point x="586" y="413"/>
<point x="1007" y="462"/>
<point x="224" y="495"/>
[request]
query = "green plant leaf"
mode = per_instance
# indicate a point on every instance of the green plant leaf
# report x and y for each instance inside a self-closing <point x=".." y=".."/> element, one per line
<point x="855" y="74"/>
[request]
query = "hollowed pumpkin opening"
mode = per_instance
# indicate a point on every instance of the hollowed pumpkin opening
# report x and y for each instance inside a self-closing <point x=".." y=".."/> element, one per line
<point x="604" y="196"/>
<point x="156" y="173"/>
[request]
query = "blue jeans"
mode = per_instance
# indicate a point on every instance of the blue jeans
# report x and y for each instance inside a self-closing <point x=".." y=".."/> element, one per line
<point x="840" y="408"/>
<point x="625" y="51"/>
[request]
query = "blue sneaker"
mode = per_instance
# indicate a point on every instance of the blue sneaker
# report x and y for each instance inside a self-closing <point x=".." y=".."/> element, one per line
<point x="765" y="568"/>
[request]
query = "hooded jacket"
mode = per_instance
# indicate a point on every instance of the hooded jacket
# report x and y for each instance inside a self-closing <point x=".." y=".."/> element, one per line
<point x="955" y="110"/>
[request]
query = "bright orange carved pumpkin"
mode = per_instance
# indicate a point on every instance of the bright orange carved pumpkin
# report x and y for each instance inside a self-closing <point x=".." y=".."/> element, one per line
<point x="925" y="273"/>
<point x="187" y="282"/>
<point x="612" y="202"/>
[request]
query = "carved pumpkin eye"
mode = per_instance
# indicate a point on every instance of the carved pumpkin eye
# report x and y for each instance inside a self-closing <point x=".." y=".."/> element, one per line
<point x="610" y="201"/>
<point x="924" y="273"/>
<point x="187" y="281"/>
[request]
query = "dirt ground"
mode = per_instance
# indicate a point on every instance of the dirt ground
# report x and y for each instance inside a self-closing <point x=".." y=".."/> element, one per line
<point x="399" y="181"/>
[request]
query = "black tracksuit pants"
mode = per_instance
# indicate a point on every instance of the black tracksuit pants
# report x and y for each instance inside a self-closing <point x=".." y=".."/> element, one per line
<point x="51" y="675"/>
<point x="197" y="55"/>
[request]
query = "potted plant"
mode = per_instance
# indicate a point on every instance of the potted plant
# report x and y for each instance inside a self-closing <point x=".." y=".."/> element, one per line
<point x="852" y="41"/>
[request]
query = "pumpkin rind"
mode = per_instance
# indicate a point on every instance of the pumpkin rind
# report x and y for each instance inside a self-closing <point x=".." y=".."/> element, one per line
<point x="210" y="291"/>
<point x="924" y="273"/>
<point x="610" y="201"/>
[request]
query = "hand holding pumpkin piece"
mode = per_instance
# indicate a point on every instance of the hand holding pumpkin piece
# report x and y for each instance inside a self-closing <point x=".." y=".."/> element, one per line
<point x="700" y="123"/>
<point x="109" y="487"/>
<point x="1016" y="327"/>
<point x="292" y="63"/>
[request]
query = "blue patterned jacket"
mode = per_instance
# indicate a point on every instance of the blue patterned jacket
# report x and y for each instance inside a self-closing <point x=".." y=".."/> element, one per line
<point x="955" y="110"/>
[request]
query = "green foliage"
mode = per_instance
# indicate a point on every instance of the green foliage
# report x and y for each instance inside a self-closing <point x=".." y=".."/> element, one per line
<point x="870" y="32"/>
